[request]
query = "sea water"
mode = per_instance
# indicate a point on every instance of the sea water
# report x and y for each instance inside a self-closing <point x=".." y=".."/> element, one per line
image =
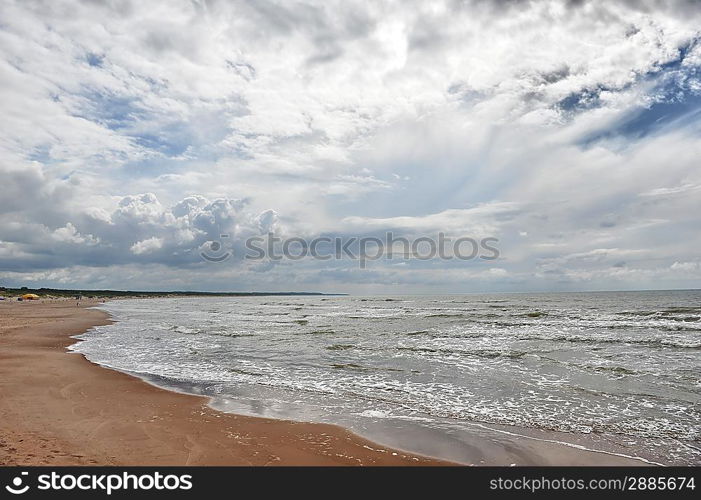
<point x="621" y="364"/>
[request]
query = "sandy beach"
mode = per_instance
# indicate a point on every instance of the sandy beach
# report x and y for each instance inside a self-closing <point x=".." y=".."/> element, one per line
<point x="57" y="408"/>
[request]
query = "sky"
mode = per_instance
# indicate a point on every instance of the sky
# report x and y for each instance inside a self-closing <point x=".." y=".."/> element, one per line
<point x="135" y="134"/>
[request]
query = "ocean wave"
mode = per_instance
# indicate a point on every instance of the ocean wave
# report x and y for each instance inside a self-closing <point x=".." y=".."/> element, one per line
<point x="682" y="343"/>
<point x="477" y="353"/>
<point x="339" y="347"/>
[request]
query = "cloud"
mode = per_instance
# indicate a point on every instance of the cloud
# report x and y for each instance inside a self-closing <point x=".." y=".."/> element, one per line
<point x="481" y="220"/>
<point x="147" y="246"/>
<point x="686" y="266"/>
<point x="139" y="229"/>
<point x="135" y="134"/>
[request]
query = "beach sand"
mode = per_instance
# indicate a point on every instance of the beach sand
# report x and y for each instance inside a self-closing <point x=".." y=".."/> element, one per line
<point x="57" y="408"/>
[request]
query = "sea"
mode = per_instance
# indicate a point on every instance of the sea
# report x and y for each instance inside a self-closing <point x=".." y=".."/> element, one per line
<point x="615" y="370"/>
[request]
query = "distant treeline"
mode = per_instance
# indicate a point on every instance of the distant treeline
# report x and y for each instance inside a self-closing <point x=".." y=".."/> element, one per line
<point x="58" y="292"/>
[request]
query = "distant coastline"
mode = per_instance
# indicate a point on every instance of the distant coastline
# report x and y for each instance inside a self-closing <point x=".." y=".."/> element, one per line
<point x="104" y="294"/>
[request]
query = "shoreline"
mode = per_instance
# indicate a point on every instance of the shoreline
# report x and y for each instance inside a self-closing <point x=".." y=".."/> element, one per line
<point x="100" y="414"/>
<point x="58" y="408"/>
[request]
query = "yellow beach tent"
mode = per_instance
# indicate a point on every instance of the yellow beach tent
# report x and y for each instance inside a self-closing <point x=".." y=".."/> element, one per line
<point x="30" y="296"/>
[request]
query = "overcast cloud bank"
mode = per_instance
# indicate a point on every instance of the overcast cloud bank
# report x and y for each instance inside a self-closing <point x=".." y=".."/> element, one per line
<point x="135" y="134"/>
